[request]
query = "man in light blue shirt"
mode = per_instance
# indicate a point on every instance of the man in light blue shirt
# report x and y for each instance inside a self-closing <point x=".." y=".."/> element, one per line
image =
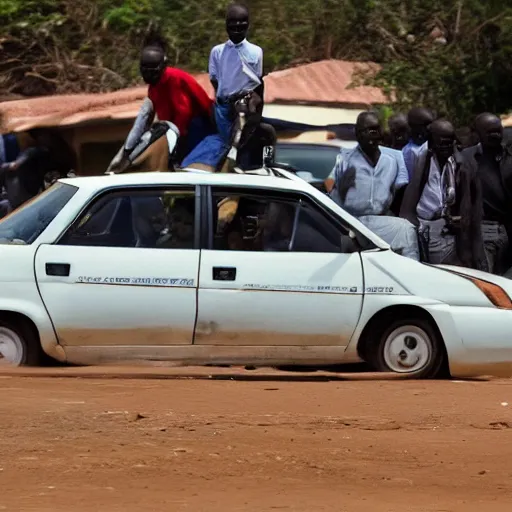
<point x="235" y="68"/>
<point x="365" y="178"/>
<point x="364" y="181"/>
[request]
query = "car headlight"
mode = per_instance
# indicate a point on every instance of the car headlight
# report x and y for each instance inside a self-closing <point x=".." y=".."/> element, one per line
<point x="496" y="294"/>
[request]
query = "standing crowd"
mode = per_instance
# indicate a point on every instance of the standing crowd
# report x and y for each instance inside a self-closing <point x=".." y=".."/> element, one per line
<point x="451" y="199"/>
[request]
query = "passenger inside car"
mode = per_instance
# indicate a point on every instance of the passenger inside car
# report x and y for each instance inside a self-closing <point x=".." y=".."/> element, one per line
<point x="266" y="224"/>
<point x="149" y="220"/>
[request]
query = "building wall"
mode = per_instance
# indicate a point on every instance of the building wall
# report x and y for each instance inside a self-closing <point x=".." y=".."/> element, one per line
<point x="97" y="143"/>
<point x="311" y="115"/>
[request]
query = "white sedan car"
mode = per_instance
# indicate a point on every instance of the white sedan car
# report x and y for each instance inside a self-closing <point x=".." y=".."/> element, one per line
<point x="204" y="268"/>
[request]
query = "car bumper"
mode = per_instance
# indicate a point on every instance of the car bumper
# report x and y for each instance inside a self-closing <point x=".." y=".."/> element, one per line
<point x="478" y="340"/>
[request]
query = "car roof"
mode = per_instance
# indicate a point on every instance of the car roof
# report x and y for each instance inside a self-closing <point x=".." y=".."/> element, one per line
<point x="185" y="177"/>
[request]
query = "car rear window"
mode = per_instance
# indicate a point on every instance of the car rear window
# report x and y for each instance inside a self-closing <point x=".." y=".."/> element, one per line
<point x="318" y="160"/>
<point x="25" y="224"/>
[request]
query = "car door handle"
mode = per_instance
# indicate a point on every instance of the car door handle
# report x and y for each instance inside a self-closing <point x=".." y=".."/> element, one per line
<point x="224" y="273"/>
<point x="58" y="269"/>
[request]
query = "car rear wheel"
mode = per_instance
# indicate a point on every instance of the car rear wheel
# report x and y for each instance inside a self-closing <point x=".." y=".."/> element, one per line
<point x="412" y="348"/>
<point x="18" y="345"/>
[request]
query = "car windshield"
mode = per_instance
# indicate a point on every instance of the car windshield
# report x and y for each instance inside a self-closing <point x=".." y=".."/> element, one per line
<point x="26" y="223"/>
<point x="318" y="160"/>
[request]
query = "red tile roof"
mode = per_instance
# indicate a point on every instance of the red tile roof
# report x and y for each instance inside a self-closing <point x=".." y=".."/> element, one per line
<point x="324" y="82"/>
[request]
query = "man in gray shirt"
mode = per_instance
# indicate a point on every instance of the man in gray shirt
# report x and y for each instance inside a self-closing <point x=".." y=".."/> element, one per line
<point x="443" y="203"/>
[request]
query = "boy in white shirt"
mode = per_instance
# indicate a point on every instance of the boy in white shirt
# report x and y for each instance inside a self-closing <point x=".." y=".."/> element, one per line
<point x="236" y="69"/>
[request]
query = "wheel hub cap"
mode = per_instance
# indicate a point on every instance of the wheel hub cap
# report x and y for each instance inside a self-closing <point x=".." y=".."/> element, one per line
<point x="408" y="349"/>
<point x="11" y="348"/>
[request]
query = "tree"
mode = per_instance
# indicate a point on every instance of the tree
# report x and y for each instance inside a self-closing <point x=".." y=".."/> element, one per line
<point x="452" y="55"/>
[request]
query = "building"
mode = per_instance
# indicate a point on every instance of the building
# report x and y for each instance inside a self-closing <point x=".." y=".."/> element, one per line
<point x="96" y="125"/>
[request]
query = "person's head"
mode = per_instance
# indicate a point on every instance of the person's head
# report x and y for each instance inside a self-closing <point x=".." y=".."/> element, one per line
<point x="419" y="119"/>
<point x="182" y="219"/>
<point x="399" y="130"/>
<point x="152" y="59"/>
<point x="237" y="22"/>
<point x="442" y="138"/>
<point x="489" y="130"/>
<point x="368" y="131"/>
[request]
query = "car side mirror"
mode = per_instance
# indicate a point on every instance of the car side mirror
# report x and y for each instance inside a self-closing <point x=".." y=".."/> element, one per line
<point x="354" y="239"/>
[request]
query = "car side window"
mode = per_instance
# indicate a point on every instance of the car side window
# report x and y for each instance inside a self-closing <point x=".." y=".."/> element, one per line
<point x="314" y="232"/>
<point x="157" y="219"/>
<point x="255" y="222"/>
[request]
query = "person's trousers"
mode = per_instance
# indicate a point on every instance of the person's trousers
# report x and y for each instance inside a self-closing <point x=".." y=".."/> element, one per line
<point x="439" y="244"/>
<point x="226" y="113"/>
<point x="399" y="233"/>
<point x="495" y="239"/>
<point x="224" y="118"/>
<point x="200" y="127"/>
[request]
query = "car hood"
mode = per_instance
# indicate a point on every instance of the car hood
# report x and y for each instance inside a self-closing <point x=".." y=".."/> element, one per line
<point x="398" y="275"/>
<point x="503" y="282"/>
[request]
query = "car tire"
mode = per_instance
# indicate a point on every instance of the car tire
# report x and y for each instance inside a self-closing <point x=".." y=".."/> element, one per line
<point x="19" y="345"/>
<point x="411" y="347"/>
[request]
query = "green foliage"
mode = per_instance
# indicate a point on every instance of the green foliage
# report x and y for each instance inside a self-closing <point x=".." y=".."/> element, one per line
<point x="468" y="71"/>
<point x="452" y="55"/>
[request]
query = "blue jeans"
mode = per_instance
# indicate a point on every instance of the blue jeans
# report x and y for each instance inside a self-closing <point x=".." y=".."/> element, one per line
<point x="224" y="118"/>
<point x="11" y="147"/>
<point x="199" y="128"/>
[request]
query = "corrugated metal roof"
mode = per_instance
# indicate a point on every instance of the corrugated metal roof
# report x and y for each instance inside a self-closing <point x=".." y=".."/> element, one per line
<point x="324" y="82"/>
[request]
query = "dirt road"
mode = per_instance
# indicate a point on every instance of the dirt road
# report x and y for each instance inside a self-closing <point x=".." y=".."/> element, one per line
<point x="229" y="440"/>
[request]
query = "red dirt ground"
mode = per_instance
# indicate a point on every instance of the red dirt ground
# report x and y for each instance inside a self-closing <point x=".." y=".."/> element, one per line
<point x="187" y="439"/>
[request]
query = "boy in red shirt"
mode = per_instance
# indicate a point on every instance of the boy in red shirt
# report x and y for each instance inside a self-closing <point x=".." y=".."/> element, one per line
<point x="174" y="96"/>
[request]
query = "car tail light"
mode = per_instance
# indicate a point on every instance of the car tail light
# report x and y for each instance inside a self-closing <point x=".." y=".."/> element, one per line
<point x="496" y="294"/>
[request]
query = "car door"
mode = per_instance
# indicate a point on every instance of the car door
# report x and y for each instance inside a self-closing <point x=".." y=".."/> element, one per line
<point x="282" y="272"/>
<point x="125" y="272"/>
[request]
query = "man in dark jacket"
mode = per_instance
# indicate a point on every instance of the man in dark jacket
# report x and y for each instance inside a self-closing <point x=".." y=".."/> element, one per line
<point x="491" y="161"/>
<point x="442" y="201"/>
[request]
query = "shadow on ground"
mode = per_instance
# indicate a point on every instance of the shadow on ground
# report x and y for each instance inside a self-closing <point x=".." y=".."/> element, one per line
<point x="159" y="371"/>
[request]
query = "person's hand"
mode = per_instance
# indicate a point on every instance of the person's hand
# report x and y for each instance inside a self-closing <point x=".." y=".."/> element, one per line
<point x="119" y="164"/>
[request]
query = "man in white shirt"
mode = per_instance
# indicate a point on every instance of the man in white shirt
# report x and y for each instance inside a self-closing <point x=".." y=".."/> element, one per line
<point x="236" y="69"/>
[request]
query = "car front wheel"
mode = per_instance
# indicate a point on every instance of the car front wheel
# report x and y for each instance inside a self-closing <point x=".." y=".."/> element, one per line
<point x="411" y="348"/>
<point x="18" y="345"/>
